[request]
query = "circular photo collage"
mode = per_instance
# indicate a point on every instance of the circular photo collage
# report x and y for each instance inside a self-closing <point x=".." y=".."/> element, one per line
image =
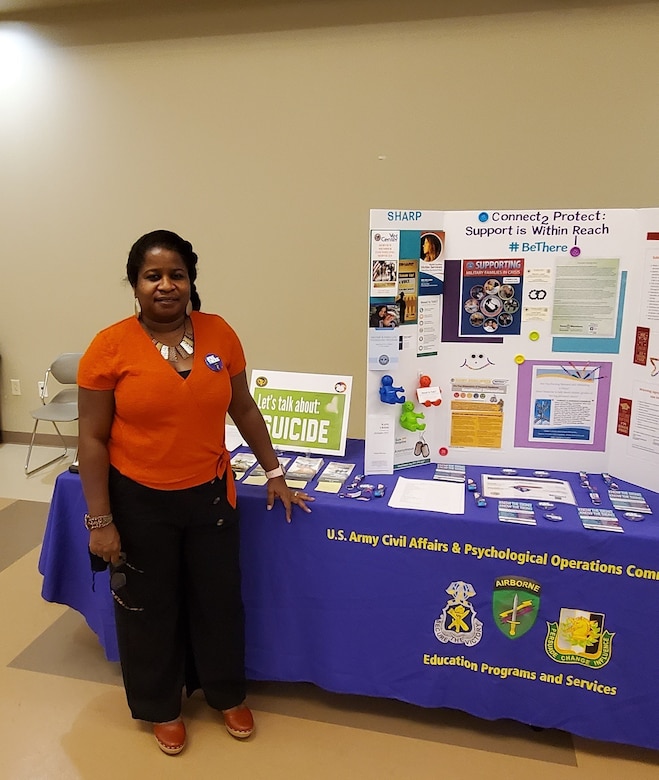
<point x="491" y="305"/>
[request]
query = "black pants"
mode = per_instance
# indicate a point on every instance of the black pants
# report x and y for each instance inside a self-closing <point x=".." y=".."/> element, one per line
<point x="178" y="606"/>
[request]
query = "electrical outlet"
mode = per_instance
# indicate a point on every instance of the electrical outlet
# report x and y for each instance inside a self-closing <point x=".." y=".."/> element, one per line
<point x="15" y="386"/>
<point x="43" y="392"/>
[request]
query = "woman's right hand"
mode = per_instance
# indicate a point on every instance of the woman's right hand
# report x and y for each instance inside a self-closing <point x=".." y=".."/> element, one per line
<point x="105" y="543"/>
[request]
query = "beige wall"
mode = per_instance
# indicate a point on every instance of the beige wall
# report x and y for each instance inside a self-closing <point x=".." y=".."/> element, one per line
<point x="267" y="147"/>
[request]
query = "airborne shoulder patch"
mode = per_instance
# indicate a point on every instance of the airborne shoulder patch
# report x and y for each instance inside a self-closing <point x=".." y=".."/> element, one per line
<point x="515" y="604"/>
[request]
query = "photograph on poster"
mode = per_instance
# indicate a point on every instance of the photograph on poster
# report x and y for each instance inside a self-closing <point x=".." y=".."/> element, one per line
<point x="432" y="246"/>
<point x="431" y="259"/>
<point x="383" y="315"/>
<point x="406" y="299"/>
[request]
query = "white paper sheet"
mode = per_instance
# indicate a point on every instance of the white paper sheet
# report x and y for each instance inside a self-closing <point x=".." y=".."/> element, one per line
<point x="232" y="437"/>
<point x="428" y="496"/>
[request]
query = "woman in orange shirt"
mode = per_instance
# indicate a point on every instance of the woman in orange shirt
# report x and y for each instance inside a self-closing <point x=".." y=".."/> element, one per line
<point x="154" y="391"/>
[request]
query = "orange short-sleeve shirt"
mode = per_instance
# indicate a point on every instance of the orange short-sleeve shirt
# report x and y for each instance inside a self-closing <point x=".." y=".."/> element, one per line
<point x="168" y="431"/>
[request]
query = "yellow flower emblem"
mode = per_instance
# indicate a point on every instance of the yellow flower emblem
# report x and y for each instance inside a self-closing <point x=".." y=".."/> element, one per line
<point x="580" y="631"/>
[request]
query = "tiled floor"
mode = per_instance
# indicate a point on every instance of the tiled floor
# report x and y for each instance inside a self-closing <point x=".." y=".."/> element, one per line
<point x="63" y="713"/>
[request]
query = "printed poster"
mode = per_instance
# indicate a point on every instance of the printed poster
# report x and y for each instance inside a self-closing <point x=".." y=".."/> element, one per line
<point x="563" y="405"/>
<point x="491" y="297"/>
<point x="586" y="297"/>
<point x="304" y="412"/>
<point x="477" y="412"/>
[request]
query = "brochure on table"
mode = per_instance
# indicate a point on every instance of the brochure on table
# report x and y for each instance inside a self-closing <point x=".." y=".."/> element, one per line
<point x="505" y="337"/>
<point x="304" y="412"/>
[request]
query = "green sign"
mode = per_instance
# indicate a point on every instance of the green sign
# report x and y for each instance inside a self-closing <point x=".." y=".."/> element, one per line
<point x="303" y="412"/>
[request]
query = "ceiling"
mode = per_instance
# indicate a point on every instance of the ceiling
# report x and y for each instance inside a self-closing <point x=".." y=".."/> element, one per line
<point x="74" y="22"/>
<point x="31" y="5"/>
<point x="441" y="6"/>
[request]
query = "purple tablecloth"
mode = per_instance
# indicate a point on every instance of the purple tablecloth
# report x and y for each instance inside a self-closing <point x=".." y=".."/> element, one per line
<point x="365" y="599"/>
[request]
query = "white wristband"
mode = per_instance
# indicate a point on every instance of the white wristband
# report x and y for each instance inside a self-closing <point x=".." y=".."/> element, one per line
<point x="278" y="472"/>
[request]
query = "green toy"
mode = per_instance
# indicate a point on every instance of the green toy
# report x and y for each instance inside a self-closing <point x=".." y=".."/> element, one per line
<point x="409" y="418"/>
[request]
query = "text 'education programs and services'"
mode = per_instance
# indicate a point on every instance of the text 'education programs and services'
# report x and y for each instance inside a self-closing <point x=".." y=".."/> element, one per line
<point x="504" y="672"/>
<point x="521" y="557"/>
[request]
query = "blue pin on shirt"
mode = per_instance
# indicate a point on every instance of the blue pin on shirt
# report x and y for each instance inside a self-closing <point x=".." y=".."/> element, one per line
<point x="214" y="362"/>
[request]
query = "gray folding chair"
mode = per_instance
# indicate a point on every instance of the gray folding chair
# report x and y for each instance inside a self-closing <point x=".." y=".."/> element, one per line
<point x="62" y="407"/>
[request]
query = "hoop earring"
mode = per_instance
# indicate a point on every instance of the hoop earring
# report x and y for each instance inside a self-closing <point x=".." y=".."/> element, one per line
<point x="137" y="307"/>
<point x="188" y="307"/>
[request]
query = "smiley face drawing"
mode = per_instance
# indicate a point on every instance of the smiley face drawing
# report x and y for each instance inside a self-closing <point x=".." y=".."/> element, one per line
<point x="476" y="361"/>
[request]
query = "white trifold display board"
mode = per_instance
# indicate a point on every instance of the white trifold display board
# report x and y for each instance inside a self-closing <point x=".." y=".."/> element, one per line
<point x="515" y="338"/>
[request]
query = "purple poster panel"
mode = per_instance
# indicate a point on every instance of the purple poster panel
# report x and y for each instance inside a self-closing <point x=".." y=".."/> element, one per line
<point x="562" y="405"/>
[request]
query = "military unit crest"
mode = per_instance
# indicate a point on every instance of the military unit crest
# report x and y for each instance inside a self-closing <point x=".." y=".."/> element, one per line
<point x="458" y="622"/>
<point x="515" y="603"/>
<point x="578" y="637"/>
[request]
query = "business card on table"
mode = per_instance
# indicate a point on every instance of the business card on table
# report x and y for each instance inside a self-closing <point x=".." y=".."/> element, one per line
<point x="628" y="501"/>
<point x="332" y="479"/>
<point x="599" y="519"/>
<point x="516" y="512"/>
<point x="450" y="472"/>
<point x="303" y="469"/>
<point x="242" y="462"/>
<point x="328" y="487"/>
<point x="337" y="471"/>
<point x="255" y="479"/>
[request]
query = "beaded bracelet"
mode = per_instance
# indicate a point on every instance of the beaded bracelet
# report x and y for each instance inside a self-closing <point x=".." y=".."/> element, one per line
<point x="100" y="521"/>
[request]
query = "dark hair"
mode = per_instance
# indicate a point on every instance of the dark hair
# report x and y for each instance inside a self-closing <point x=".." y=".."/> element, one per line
<point x="434" y="240"/>
<point x="164" y="239"/>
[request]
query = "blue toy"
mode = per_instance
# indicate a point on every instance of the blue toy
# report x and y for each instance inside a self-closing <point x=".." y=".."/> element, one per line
<point x="389" y="393"/>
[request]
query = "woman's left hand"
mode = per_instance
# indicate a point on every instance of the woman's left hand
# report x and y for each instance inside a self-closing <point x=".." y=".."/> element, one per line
<point x="277" y="488"/>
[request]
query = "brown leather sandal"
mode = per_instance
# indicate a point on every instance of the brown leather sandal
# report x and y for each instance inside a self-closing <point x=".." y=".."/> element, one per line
<point x="170" y="736"/>
<point x="239" y="721"/>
